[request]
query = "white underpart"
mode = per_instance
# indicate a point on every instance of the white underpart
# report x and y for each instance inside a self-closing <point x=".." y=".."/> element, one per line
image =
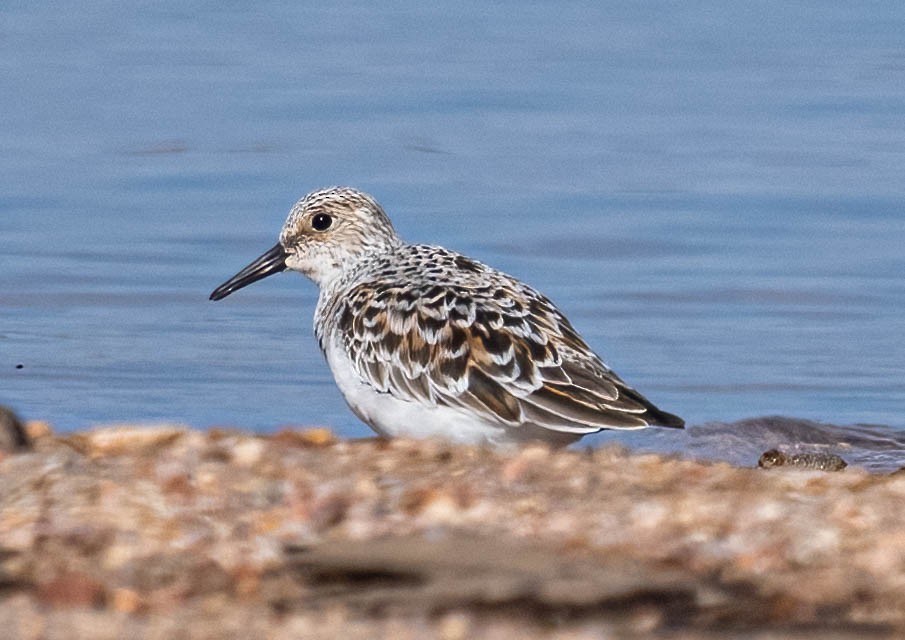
<point x="393" y="417"/>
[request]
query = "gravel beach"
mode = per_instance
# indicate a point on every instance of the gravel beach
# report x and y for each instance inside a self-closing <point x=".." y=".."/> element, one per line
<point x="170" y="532"/>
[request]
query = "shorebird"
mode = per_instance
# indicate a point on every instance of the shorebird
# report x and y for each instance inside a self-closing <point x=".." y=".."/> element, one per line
<point x="423" y="341"/>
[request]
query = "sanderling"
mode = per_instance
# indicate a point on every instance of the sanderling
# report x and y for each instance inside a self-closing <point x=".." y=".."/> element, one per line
<point x="423" y="341"/>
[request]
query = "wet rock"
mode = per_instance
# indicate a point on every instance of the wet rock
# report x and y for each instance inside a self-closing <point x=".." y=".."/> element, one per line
<point x="813" y="460"/>
<point x="872" y="447"/>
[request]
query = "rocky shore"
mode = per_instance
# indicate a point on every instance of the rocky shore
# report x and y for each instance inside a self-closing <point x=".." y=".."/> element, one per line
<point x="169" y="532"/>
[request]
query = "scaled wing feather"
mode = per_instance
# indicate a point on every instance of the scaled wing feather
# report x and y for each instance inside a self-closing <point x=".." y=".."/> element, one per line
<point x="501" y="350"/>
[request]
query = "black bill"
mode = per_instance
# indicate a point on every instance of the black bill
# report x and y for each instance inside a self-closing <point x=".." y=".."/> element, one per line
<point x="268" y="264"/>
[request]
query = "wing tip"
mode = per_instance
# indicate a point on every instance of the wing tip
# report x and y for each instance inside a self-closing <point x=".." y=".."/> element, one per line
<point x="658" y="418"/>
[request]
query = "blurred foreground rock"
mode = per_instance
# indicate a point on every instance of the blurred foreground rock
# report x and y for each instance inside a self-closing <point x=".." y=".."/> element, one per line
<point x="170" y="532"/>
<point x="13" y="436"/>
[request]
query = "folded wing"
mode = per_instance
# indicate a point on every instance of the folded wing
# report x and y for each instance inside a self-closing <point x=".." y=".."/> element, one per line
<point x="501" y="350"/>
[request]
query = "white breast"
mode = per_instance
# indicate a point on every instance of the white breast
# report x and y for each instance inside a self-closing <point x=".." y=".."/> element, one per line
<point x="393" y="417"/>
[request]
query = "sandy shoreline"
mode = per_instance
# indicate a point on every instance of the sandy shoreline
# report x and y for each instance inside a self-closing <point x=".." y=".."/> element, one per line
<point x="173" y="532"/>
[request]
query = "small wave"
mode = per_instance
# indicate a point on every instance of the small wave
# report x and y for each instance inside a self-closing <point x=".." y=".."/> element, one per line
<point x="875" y="448"/>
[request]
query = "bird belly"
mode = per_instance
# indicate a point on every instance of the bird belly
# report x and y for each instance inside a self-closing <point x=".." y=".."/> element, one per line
<point x="391" y="416"/>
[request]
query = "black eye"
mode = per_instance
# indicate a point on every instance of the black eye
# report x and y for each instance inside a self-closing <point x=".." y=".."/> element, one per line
<point x="321" y="222"/>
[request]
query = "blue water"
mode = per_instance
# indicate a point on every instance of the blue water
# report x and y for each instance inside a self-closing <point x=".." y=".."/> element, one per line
<point x="714" y="193"/>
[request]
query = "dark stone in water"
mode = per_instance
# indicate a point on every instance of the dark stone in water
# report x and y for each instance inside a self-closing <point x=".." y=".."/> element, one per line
<point x="816" y="461"/>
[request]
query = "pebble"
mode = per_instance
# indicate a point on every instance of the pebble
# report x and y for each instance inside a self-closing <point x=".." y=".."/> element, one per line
<point x="813" y="460"/>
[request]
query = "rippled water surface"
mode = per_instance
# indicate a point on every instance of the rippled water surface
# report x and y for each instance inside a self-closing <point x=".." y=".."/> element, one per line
<point x="715" y="196"/>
